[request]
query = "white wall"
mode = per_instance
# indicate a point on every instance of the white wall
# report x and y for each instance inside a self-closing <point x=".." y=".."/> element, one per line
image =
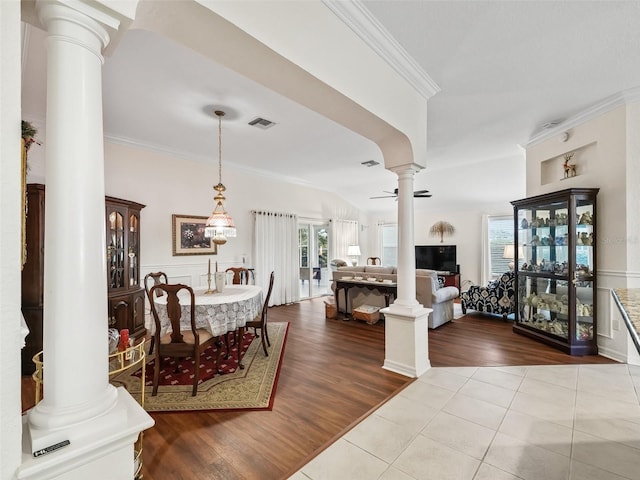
<point x="10" y="245"/>
<point x="602" y="161"/>
<point x="169" y="185"/>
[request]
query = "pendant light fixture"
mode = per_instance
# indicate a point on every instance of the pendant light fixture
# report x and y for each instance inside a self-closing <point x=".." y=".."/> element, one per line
<point x="219" y="225"/>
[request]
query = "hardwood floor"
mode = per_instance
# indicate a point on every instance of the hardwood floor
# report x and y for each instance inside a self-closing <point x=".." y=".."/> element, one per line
<point x="331" y="377"/>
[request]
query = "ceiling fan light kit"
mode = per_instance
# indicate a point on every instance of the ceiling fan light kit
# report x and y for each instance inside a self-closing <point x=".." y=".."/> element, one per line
<point x="416" y="194"/>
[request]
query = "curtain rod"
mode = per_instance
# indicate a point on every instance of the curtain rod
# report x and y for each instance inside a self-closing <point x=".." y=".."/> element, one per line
<point x="256" y="212"/>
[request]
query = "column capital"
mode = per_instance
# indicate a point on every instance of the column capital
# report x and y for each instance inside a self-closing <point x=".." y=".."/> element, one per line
<point x="107" y="20"/>
<point x="406" y="170"/>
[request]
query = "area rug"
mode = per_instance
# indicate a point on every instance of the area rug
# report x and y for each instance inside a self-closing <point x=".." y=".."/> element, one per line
<point x="251" y="388"/>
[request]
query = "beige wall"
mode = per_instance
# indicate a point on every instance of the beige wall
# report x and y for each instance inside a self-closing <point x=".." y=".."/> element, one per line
<point x="606" y="156"/>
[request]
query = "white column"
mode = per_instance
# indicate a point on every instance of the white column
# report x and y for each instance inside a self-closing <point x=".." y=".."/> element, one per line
<point x="79" y="405"/>
<point x="75" y="285"/>
<point x="406" y="343"/>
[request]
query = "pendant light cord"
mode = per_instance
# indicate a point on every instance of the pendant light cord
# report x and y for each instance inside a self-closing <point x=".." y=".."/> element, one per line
<point x="220" y="114"/>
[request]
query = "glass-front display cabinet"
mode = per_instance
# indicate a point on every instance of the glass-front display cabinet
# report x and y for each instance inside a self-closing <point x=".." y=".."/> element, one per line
<point x="126" y="293"/>
<point x="556" y="269"/>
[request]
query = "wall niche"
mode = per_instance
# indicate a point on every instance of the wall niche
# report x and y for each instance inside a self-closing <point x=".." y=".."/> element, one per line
<point x="552" y="170"/>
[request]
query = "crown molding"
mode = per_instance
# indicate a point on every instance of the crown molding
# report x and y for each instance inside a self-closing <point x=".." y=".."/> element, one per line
<point x="610" y="103"/>
<point x="182" y="154"/>
<point x="356" y="16"/>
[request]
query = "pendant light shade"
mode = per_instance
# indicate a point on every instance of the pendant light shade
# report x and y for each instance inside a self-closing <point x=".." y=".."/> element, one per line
<point x="219" y="225"/>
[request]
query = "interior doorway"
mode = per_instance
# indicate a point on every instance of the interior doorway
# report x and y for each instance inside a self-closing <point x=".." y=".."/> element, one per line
<point x="313" y="247"/>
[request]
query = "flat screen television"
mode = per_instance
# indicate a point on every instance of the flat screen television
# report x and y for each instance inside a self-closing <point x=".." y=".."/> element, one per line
<point x="437" y="257"/>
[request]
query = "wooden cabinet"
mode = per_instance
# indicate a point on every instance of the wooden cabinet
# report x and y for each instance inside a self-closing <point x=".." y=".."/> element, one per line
<point x="33" y="276"/>
<point x="556" y="278"/>
<point x="126" y="295"/>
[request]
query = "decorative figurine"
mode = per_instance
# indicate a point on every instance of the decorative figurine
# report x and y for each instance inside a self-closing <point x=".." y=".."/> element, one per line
<point x="569" y="169"/>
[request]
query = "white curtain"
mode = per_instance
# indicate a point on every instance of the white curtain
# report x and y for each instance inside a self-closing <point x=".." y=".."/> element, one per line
<point x="275" y="249"/>
<point x="343" y="234"/>
<point x="485" y="267"/>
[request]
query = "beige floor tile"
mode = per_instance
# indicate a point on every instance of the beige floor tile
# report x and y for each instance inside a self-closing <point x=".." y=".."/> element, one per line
<point x="541" y="433"/>
<point x="427" y="394"/>
<point x="489" y="393"/>
<point x="563" y="375"/>
<point x="448" y="380"/>
<point x="497" y="377"/>
<point x="344" y="460"/>
<point x="525" y="460"/>
<point x="475" y="410"/>
<point x="298" y="476"/>
<point x="380" y="437"/>
<point x="514" y="370"/>
<point x="467" y="371"/>
<point x="536" y="407"/>
<point x="489" y="472"/>
<point x="609" y="456"/>
<point x="582" y="471"/>
<point x="601" y="405"/>
<point x="393" y="473"/>
<point x="426" y="459"/>
<point x="409" y="413"/>
<point x="463" y="435"/>
<point x="619" y="430"/>
<point x="549" y="392"/>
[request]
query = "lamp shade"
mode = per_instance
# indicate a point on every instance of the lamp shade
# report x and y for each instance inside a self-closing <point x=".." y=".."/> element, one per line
<point x="353" y="251"/>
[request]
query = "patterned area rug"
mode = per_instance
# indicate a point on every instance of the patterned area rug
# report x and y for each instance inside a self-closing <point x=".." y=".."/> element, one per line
<point x="251" y="388"/>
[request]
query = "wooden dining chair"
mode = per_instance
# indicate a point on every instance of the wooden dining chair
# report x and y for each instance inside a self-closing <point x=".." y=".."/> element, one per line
<point x="373" y="261"/>
<point x="240" y="275"/>
<point x="180" y="343"/>
<point x="260" y="322"/>
<point x="157" y="277"/>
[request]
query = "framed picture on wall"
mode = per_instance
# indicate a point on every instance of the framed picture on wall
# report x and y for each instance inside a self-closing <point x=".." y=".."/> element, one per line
<point x="188" y="236"/>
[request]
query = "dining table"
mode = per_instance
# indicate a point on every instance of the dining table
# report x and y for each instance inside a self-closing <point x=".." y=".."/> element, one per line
<point x="219" y="313"/>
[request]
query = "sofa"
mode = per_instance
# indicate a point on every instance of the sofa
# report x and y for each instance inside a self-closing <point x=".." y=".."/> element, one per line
<point x="428" y="291"/>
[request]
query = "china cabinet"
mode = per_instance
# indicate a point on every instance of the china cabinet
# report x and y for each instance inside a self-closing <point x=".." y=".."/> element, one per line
<point x="125" y="293"/>
<point x="556" y="269"/>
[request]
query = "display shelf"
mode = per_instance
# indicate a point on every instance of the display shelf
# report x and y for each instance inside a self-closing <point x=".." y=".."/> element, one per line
<point x="556" y="279"/>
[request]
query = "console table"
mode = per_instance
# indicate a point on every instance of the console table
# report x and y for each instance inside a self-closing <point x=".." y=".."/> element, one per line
<point x="386" y="289"/>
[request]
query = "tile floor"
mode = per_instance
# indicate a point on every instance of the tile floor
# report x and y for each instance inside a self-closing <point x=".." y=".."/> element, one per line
<point x="565" y="422"/>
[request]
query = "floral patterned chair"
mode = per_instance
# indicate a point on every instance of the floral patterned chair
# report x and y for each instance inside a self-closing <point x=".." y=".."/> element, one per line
<point x="498" y="297"/>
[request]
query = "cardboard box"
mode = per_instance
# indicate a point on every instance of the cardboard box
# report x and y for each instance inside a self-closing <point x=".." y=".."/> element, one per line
<point x="367" y="313"/>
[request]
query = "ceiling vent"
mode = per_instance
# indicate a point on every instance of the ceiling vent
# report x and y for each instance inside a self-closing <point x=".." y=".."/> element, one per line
<point x="262" y="123"/>
<point x="370" y="163"/>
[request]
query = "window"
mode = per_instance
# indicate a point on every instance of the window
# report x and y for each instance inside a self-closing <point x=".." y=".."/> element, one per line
<point x="390" y="245"/>
<point x="500" y="229"/>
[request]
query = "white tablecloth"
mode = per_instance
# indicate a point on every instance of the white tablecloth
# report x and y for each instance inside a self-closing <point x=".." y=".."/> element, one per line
<point x="218" y="313"/>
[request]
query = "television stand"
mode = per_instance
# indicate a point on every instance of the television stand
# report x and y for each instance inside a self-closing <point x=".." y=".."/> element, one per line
<point x="451" y="279"/>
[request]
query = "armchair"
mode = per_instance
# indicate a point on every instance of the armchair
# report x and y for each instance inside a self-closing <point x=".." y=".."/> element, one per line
<point x="498" y="297"/>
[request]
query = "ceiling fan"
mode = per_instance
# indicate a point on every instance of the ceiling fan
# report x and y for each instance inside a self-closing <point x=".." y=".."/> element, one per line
<point x="416" y="194"/>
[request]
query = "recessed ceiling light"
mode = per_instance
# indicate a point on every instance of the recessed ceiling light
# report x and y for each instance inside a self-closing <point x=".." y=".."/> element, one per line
<point x="370" y="163"/>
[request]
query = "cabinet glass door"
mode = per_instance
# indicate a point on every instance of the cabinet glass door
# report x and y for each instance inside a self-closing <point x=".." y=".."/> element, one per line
<point x="115" y="250"/>
<point x="584" y="274"/>
<point x="134" y="238"/>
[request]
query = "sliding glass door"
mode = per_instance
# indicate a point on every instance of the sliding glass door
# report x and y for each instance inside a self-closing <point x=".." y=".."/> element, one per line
<point x="313" y="247"/>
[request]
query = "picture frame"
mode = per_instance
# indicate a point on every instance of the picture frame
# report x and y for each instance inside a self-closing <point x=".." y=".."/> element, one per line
<point x="188" y="236"/>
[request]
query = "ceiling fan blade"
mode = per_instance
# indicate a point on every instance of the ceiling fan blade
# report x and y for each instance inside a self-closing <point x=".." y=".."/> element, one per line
<point x="385" y="196"/>
<point x="420" y="192"/>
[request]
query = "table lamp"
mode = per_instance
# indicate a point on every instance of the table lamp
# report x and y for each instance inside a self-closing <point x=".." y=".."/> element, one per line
<point x="353" y="251"/>
<point x="509" y="252"/>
